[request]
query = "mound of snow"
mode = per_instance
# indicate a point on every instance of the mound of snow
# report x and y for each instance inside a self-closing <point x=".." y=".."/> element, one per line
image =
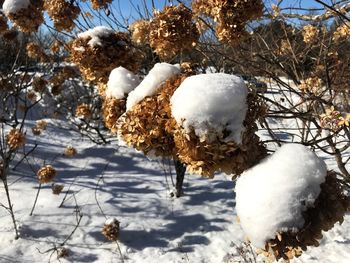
<point x="96" y="34"/>
<point x="13" y="6"/>
<point x="155" y="78"/>
<point x="121" y="81"/>
<point x="210" y="102"/>
<point x="271" y="196"/>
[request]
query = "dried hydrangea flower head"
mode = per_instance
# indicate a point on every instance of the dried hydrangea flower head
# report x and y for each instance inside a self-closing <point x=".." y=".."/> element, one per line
<point x="10" y="35"/>
<point x="329" y="208"/>
<point x="15" y="139"/>
<point x="209" y="138"/>
<point x="333" y="120"/>
<point x="313" y="201"/>
<point x="140" y="31"/>
<point x="310" y="34"/>
<point x="231" y="16"/>
<point x="98" y="4"/>
<point x="27" y="15"/>
<point x="3" y="23"/>
<point x="46" y="174"/>
<point x="70" y="151"/>
<point x="39" y="84"/>
<point x="342" y="32"/>
<point x="83" y="111"/>
<point x="173" y="31"/>
<point x="111" y="229"/>
<point x="57" y="188"/>
<point x="36" y="52"/>
<point x="101" y="49"/>
<point x="120" y="83"/>
<point x="146" y="126"/>
<point x="63" y="13"/>
<point x="312" y="85"/>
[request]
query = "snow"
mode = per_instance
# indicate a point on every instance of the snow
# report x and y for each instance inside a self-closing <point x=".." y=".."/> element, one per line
<point x="121" y="81"/>
<point x="111" y="221"/>
<point x="13" y="6"/>
<point x="271" y="196"/>
<point x="155" y="78"/>
<point x="210" y="102"/>
<point x="96" y="34"/>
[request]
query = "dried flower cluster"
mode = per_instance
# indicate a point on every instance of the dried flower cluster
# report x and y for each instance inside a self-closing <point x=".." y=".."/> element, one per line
<point x="140" y="31"/>
<point x="342" y="32"/>
<point x="15" y="139"/>
<point x="46" y="174"/>
<point x="310" y="34"/>
<point x="285" y="48"/>
<point x="55" y="47"/>
<point x="57" y="188"/>
<point x="63" y="13"/>
<point x="96" y="62"/>
<point x="70" y="151"/>
<point x="231" y="16"/>
<point x="39" y="127"/>
<point x="30" y="18"/>
<point x="3" y="23"/>
<point x="146" y="126"/>
<point x="6" y="84"/>
<point x="173" y="31"/>
<point x="312" y="85"/>
<point x="205" y="157"/>
<point x="83" y="111"/>
<point x="111" y="229"/>
<point x="10" y="34"/>
<point x="60" y="77"/>
<point x="333" y="119"/>
<point x="39" y="84"/>
<point x="98" y="4"/>
<point x="36" y="52"/>
<point x="329" y="208"/>
<point x="112" y="109"/>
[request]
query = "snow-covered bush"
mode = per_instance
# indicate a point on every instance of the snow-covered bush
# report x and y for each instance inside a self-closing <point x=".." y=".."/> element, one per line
<point x="285" y="202"/>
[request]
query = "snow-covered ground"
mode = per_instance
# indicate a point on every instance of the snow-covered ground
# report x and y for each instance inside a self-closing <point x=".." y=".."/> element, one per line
<point x="108" y="181"/>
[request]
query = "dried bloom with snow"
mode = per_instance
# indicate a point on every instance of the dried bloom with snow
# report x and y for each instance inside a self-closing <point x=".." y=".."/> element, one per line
<point x="173" y="31"/>
<point x="101" y="49"/>
<point x="140" y="31"/>
<point x="83" y="111"/>
<point x="57" y="188"/>
<point x="98" y="4"/>
<point x="36" y="52"/>
<point x="41" y="124"/>
<point x="310" y="203"/>
<point x="70" y="151"/>
<point x="312" y="85"/>
<point x="63" y="13"/>
<point x="27" y="15"/>
<point x="46" y="174"/>
<point x="214" y="124"/>
<point x="231" y="17"/>
<point x="111" y="229"/>
<point x="310" y="34"/>
<point x="15" y="139"/>
<point x="342" y="32"/>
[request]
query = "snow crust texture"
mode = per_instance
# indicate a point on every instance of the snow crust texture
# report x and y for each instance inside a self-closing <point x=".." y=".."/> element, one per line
<point x="271" y="196"/>
<point x="150" y="84"/>
<point x="211" y="102"/>
<point x="13" y="6"/>
<point x="121" y="82"/>
<point x="96" y="34"/>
